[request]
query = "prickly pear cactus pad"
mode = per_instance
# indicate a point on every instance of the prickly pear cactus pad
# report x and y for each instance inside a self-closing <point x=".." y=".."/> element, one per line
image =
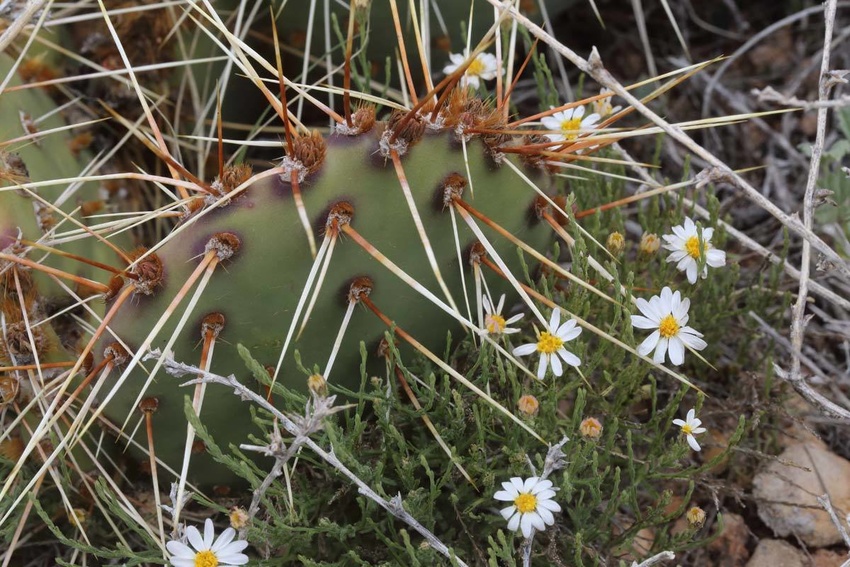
<point x="258" y="289"/>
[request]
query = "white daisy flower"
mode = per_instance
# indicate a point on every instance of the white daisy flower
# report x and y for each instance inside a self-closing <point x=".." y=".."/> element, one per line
<point x="569" y="124"/>
<point x="603" y="106"/>
<point x="684" y="244"/>
<point x="690" y="427"/>
<point x="483" y="67"/>
<point x="223" y="552"/>
<point x="550" y="345"/>
<point x="494" y="322"/>
<point x="668" y="315"/>
<point x="531" y="506"/>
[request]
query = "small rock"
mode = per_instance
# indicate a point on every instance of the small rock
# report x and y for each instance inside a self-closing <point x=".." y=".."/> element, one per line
<point x="787" y="495"/>
<point x="777" y="553"/>
<point x="827" y="558"/>
<point x="730" y="548"/>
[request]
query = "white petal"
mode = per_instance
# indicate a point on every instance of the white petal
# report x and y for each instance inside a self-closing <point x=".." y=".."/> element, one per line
<point x="541" y="367"/>
<point x="648" y="310"/>
<point x="554" y="321"/>
<point x="681" y="311"/>
<point x="525" y="350"/>
<point x="518" y="484"/>
<point x="641" y="322"/>
<point x="685" y="263"/>
<point x="180" y="550"/>
<point x="660" y="351"/>
<point x="569" y="357"/>
<point x="691" y="415"/>
<point x="715" y="258"/>
<point x="530" y="483"/>
<point x="514" y="319"/>
<point x="680" y="232"/>
<point x="692" y="441"/>
<point x="513" y="523"/>
<point x="677" y="256"/>
<point x="578" y="112"/>
<point x="677" y="351"/>
<point x="501" y="304"/>
<point x="649" y="343"/>
<point x="679" y="422"/>
<point x="690" y="226"/>
<point x="546" y="516"/>
<point x="700" y="430"/>
<point x="547" y="494"/>
<point x="194" y="537"/>
<point x="233" y="559"/>
<point x="223" y="540"/>
<point x="572" y="334"/>
<point x="525" y="524"/>
<point x="209" y="533"/>
<point x="551" y="123"/>
<point x="590" y="120"/>
<point x="692" y="272"/>
<point x="537" y="521"/>
<point x="505" y="496"/>
<point x="557" y="368"/>
<point x="183" y="561"/>
<point x="550" y="505"/>
<point x="507" y="512"/>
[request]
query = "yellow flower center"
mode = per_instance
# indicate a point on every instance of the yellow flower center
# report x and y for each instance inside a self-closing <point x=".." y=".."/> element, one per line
<point x="495" y="323"/>
<point x="688" y="429"/>
<point x="525" y="503"/>
<point x="548" y="343"/>
<point x="692" y="247"/>
<point x="570" y="128"/>
<point x="206" y="559"/>
<point x="475" y="68"/>
<point x="668" y="327"/>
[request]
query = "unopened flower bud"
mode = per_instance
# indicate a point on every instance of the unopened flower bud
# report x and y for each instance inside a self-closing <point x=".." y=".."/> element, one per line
<point x="615" y="243"/>
<point x="696" y="516"/>
<point x="649" y="243"/>
<point x="318" y="385"/>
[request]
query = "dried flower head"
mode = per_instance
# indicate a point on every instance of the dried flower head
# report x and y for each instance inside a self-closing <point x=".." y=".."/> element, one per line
<point x="528" y="405"/>
<point x="238" y="518"/>
<point x="590" y="428"/>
